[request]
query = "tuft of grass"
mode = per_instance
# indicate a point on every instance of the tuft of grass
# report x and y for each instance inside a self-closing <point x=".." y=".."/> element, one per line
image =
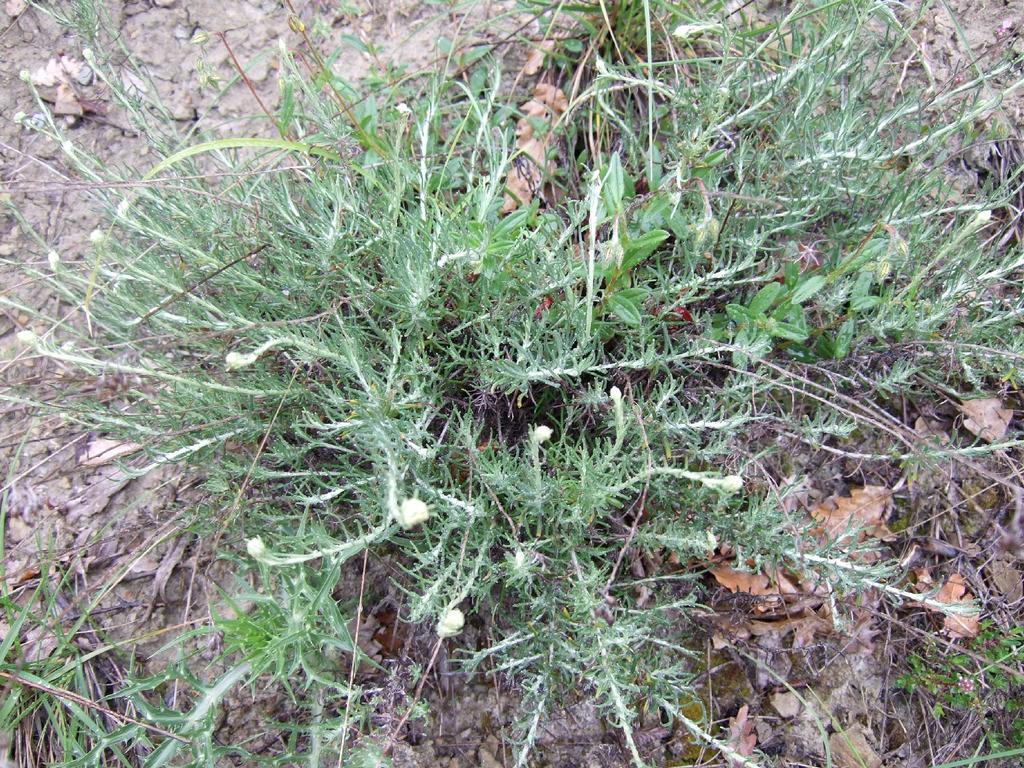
<point x="742" y="250"/>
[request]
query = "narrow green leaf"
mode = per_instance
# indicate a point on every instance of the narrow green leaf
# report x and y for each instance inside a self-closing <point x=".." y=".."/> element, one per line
<point x="624" y="309"/>
<point x="613" y="187"/>
<point x="738" y="313"/>
<point x="764" y="298"/>
<point x="239" y="143"/>
<point x="789" y="331"/>
<point x="636" y="250"/>
<point x="807" y="289"/>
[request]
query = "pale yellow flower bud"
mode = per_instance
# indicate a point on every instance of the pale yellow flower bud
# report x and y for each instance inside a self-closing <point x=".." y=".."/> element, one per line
<point x="541" y="434"/>
<point x="256" y="548"/>
<point x="411" y="512"/>
<point x="451" y="623"/>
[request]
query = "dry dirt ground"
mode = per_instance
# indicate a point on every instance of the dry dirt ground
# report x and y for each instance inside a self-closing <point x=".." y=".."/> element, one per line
<point x="108" y="530"/>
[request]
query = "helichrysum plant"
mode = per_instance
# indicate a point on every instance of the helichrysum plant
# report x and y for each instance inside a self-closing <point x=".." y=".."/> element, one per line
<point x="337" y="326"/>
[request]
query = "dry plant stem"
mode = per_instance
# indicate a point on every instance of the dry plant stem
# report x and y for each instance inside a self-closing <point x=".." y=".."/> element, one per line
<point x="41" y="462"/>
<point x="393" y="736"/>
<point x="236" y="505"/>
<point x="200" y="283"/>
<point x="858" y="410"/>
<point x="640" y="505"/>
<point x="60" y="693"/>
<point x="354" y="662"/>
<point x="248" y="83"/>
<point x="365" y="138"/>
<point x="950" y="645"/>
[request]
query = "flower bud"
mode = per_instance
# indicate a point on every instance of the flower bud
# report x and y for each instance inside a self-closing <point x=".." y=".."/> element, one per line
<point x="519" y="559"/>
<point x="451" y="623"/>
<point x="256" y="548"/>
<point x="97" y="236"/>
<point x="235" y="360"/>
<point x="541" y="434"/>
<point x="712" y="540"/>
<point x="727" y="484"/>
<point x="53" y="259"/>
<point x="411" y="512"/>
<point x="28" y="338"/>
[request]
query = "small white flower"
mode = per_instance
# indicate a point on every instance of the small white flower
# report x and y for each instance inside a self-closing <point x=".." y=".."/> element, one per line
<point x="19" y="117"/>
<point x="53" y="259"/>
<point x="520" y="560"/>
<point x="122" y="208"/>
<point x="97" y="236"/>
<point x="28" y="338"/>
<point x="25" y="76"/>
<point x="541" y="434"/>
<point x="411" y="512"/>
<point x="520" y="564"/>
<point x="256" y="548"/>
<point x="234" y="360"/>
<point x="451" y="623"/>
<point x="87" y="54"/>
<point x="615" y="394"/>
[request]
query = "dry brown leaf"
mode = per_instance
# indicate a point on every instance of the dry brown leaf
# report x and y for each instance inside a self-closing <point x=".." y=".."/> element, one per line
<point x="536" y="58"/>
<point x="94" y="498"/>
<point x="528" y="170"/>
<point x="49" y="74"/>
<point x="851" y="749"/>
<point x="866" y="508"/>
<point x="987" y="418"/>
<point x="64" y="69"/>
<point x="805" y="628"/>
<point x="551" y="96"/>
<point x="954" y="592"/>
<point x="1006" y="580"/>
<point x="742" y="738"/>
<point x="930" y="428"/>
<point x="777" y="587"/>
<point x="66" y="102"/>
<point x="102" y="450"/>
<point x="743" y="581"/>
<point x="786" y="704"/>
